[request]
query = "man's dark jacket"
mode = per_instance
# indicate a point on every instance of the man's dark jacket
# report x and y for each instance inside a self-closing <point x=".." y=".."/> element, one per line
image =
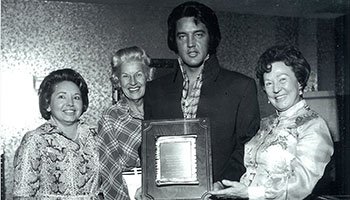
<point x="228" y="99"/>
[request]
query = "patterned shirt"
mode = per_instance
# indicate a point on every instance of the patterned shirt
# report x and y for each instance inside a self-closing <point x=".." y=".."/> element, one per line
<point x="288" y="155"/>
<point x="48" y="165"/>
<point x="189" y="101"/>
<point x="119" y="135"/>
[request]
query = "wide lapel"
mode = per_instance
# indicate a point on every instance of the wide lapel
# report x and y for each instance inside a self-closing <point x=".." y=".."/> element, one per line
<point x="210" y="75"/>
<point x="173" y="93"/>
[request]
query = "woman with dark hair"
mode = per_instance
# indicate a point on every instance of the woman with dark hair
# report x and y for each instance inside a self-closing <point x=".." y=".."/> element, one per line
<point x="288" y="155"/>
<point x="59" y="159"/>
<point x="119" y="129"/>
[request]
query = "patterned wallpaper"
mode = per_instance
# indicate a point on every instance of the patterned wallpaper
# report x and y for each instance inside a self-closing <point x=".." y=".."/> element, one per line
<point x="38" y="37"/>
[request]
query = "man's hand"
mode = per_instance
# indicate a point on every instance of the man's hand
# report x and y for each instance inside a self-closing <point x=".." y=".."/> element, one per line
<point x="234" y="190"/>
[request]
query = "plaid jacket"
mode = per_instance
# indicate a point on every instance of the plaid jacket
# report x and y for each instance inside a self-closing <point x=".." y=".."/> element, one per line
<point x="119" y="136"/>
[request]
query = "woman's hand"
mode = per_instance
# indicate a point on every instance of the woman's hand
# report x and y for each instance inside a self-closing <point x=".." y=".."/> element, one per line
<point x="138" y="194"/>
<point x="218" y="186"/>
<point x="234" y="190"/>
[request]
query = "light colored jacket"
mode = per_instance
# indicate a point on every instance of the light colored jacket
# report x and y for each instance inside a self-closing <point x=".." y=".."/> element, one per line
<point x="288" y="155"/>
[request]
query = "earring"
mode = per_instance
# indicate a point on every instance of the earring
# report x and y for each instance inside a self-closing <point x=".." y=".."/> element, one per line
<point x="300" y="89"/>
<point x="268" y="101"/>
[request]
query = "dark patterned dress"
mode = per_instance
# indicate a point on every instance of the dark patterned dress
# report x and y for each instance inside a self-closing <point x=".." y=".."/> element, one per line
<point x="48" y="165"/>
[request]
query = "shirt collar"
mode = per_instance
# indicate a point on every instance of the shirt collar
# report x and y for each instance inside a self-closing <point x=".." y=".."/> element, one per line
<point x="82" y="129"/>
<point x="292" y="110"/>
<point x="210" y="70"/>
<point x="54" y="124"/>
<point x="183" y="71"/>
<point x="124" y="103"/>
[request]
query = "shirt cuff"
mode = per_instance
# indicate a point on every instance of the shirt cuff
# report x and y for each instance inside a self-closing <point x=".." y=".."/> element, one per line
<point x="256" y="192"/>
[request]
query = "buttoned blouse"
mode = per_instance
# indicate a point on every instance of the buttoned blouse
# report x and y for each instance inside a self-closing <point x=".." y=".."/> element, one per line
<point x="48" y="165"/>
<point x="288" y="155"/>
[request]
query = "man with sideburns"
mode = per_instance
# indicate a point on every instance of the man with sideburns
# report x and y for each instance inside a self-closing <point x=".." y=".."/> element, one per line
<point x="200" y="88"/>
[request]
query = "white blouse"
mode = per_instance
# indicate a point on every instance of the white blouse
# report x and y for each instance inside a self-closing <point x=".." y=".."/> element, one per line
<point x="288" y="155"/>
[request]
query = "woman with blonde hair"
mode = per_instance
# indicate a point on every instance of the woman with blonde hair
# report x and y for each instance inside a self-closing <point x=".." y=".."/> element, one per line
<point x="119" y="129"/>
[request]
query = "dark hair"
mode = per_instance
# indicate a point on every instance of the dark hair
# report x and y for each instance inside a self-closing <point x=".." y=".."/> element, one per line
<point x="48" y="85"/>
<point x="291" y="57"/>
<point x="201" y="13"/>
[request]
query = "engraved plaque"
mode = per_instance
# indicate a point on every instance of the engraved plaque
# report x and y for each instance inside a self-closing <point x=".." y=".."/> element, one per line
<point x="176" y="159"/>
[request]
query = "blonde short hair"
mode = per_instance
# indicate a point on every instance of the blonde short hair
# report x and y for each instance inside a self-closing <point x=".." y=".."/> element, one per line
<point x="126" y="55"/>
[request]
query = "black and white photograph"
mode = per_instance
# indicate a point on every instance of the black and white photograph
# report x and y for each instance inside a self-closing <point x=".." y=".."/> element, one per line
<point x="79" y="79"/>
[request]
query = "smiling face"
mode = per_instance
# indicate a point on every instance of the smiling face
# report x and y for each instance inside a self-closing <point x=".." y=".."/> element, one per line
<point x="281" y="86"/>
<point x="66" y="103"/>
<point x="192" y="41"/>
<point x="133" y="80"/>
